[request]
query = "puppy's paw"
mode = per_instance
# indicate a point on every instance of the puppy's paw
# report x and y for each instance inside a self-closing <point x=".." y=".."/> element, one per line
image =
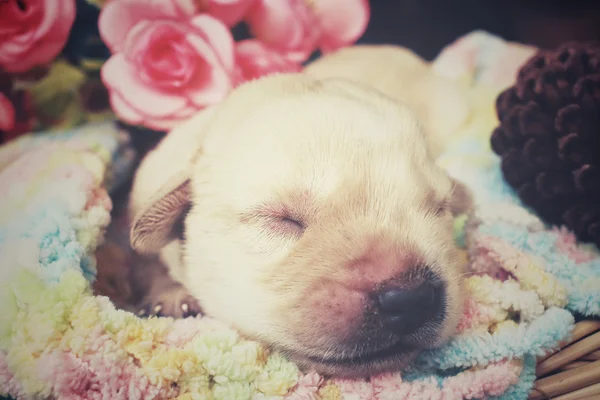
<point x="174" y="301"/>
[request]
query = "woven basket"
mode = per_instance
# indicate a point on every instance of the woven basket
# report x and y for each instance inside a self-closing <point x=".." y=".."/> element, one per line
<point x="572" y="372"/>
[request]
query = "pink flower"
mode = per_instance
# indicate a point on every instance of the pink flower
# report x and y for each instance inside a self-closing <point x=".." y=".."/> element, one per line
<point x="298" y="27"/>
<point x="166" y="68"/>
<point x="7" y="114"/>
<point x="254" y="59"/>
<point x="33" y="32"/>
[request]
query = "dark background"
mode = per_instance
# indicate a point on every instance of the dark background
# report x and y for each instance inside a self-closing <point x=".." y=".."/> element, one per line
<point x="426" y="26"/>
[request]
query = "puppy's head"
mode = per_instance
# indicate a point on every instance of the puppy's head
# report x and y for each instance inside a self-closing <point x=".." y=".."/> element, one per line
<point x="317" y="223"/>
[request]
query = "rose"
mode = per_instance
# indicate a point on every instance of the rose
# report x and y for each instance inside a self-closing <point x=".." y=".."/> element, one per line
<point x="165" y="70"/>
<point x="254" y="60"/>
<point x="298" y="27"/>
<point x="168" y="70"/>
<point x="33" y="32"/>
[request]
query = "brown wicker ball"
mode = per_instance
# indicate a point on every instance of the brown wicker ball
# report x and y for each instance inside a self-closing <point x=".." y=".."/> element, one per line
<point x="549" y="137"/>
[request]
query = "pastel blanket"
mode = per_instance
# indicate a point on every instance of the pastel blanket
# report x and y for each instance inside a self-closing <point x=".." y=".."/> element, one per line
<point x="59" y="340"/>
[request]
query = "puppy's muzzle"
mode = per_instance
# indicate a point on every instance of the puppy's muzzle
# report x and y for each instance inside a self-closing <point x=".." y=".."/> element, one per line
<point x="379" y="329"/>
<point x="404" y="310"/>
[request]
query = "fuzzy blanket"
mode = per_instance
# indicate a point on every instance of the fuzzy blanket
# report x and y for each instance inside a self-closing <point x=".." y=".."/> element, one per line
<point x="59" y="340"/>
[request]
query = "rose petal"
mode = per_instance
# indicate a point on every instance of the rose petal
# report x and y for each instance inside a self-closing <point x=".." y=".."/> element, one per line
<point x="138" y="38"/>
<point x="342" y="22"/>
<point x="164" y="124"/>
<point x="212" y="85"/>
<point x="288" y="26"/>
<point x="118" y="17"/>
<point x="215" y="89"/>
<point x="254" y="60"/>
<point x="185" y="113"/>
<point x="218" y="37"/>
<point x="114" y="22"/>
<point x="230" y="12"/>
<point x="7" y="114"/>
<point x="43" y="52"/>
<point x="274" y="22"/>
<point x="56" y="16"/>
<point x="123" y="110"/>
<point x="121" y="77"/>
<point x="131" y="116"/>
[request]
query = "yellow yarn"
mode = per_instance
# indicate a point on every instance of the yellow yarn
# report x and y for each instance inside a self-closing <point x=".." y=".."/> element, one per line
<point x="504" y="297"/>
<point x="532" y="277"/>
<point x="330" y="391"/>
<point x="277" y="377"/>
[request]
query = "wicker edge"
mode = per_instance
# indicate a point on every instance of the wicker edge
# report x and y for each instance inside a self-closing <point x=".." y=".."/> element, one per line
<point x="573" y="371"/>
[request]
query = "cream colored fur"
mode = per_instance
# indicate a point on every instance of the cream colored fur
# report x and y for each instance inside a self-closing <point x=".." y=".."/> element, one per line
<point x="439" y="102"/>
<point x="347" y="161"/>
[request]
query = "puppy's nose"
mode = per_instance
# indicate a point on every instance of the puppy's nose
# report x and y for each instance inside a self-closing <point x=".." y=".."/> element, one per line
<point x="405" y="310"/>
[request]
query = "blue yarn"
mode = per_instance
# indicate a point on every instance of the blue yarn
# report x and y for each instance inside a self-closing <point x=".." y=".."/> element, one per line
<point x="526" y="342"/>
<point x="88" y="268"/>
<point x="48" y="223"/>
<point x="493" y="183"/>
<point x="533" y="338"/>
<point x="59" y="249"/>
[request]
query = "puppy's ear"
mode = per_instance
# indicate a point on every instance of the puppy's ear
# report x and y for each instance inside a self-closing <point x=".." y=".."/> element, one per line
<point x="159" y="222"/>
<point x="461" y="200"/>
<point x="160" y="195"/>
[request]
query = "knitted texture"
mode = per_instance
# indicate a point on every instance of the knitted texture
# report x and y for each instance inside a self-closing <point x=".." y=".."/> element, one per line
<point x="549" y="137"/>
<point x="58" y="340"/>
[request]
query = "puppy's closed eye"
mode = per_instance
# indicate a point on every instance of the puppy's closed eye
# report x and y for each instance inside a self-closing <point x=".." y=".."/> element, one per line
<point x="291" y="224"/>
<point x="442" y="207"/>
<point x="277" y="219"/>
<point x="436" y="205"/>
<point x="456" y="201"/>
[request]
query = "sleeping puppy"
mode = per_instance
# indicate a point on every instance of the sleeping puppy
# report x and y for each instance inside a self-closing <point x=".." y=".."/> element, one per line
<point x="309" y="214"/>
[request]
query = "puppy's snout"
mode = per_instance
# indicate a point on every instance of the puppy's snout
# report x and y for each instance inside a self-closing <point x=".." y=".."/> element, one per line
<point x="404" y="310"/>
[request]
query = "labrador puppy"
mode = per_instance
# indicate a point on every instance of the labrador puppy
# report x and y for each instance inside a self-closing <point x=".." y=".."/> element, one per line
<point x="309" y="214"/>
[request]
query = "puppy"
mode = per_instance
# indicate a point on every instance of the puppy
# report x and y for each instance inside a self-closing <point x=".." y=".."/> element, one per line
<point x="309" y="214"/>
